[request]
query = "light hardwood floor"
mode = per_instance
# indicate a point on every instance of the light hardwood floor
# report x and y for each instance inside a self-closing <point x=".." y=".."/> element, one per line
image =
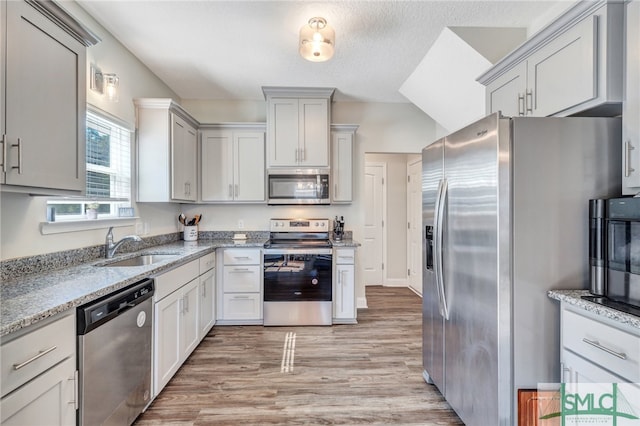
<point x="369" y="373"/>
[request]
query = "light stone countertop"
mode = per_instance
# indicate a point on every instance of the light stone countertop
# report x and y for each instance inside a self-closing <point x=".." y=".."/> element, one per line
<point x="344" y="243"/>
<point x="574" y="297"/>
<point x="25" y="301"/>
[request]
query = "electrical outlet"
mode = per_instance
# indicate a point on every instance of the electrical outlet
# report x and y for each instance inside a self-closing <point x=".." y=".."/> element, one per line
<point x="146" y="228"/>
<point x="240" y="224"/>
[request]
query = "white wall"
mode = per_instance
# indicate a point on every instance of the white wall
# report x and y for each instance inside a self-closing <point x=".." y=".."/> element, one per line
<point x="21" y="214"/>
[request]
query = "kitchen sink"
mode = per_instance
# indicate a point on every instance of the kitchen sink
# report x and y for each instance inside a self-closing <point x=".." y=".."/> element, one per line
<point x="141" y="260"/>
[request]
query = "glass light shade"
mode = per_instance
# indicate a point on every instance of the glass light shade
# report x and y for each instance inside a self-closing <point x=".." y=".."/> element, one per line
<point x="317" y="40"/>
<point x="111" y="82"/>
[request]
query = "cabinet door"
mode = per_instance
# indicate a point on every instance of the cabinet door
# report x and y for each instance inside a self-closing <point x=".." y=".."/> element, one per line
<point x="631" y="104"/>
<point x="342" y="167"/>
<point x="207" y="302"/>
<point x="562" y="74"/>
<point x="246" y="306"/>
<point x="216" y="155"/>
<point x="344" y="297"/>
<point x="190" y="329"/>
<point x="183" y="160"/>
<point x="283" y="132"/>
<point x="168" y="313"/>
<point x="507" y="93"/>
<point x="313" y="130"/>
<point x="45" y="139"/>
<point x="49" y="399"/>
<point x="249" y="166"/>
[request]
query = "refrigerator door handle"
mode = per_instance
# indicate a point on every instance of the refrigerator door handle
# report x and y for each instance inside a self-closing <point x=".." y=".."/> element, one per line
<point x="441" y="200"/>
<point x="436" y="247"/>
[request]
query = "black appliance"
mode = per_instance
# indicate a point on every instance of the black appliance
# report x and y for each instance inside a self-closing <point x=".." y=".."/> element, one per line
<point x="298" y="267"/>
<point x="620" y="246"/>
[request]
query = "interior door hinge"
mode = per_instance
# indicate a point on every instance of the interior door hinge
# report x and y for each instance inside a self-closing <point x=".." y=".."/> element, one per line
<point x="383" y="181"/>
<point x="408" y="272"/>
<point x="409" y="178"/>
<point x="383" y="266"/>
<point x="408" y="225"/>
<point x="383" y="223"/>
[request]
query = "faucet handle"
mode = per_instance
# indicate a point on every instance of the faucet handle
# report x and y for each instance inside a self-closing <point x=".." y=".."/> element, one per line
<point x="110" y="234"/>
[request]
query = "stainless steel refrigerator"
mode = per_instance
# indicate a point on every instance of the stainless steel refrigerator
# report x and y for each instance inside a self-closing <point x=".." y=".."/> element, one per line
<point x="505" y="218"/>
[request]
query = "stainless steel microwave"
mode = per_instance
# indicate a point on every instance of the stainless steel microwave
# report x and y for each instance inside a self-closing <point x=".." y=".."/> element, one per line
<point x="298" y="186"/>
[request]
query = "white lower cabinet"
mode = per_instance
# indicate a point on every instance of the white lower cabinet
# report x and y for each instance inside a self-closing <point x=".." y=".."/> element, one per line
<point x="240" y="289"/>
<point x="344" y="300"/>
<point x="184" y="312"/>
<point x="597" y="349"/>
<point x="49" y="399"/>
<point x="176" y="323"/>
<point x="39" y="377"/>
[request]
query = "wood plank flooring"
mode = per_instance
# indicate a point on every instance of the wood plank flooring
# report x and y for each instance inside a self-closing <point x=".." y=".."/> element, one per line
<point x="369" y="373"/>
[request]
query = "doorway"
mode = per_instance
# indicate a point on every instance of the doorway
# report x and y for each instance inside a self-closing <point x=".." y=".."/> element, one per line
<point x="414" y="225"/>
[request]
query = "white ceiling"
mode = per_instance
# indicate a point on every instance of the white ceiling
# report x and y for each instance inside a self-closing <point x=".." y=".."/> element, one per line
<point x="230" y="49"/>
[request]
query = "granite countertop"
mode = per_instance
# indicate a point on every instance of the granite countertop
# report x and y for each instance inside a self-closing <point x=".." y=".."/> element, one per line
<point x="25" y="301"/>
<point x="574" y="297"/>
<point x="344" y="243"/>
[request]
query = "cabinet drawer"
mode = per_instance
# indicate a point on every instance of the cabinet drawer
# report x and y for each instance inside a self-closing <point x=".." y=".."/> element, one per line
<point x="239" y="279"/>
<point x="345" y="257"/>
<point x="246" y="306"/>
<point x="241" y="257"/>
<point x="207" y="262"/>
<point x="616" y="350"/>
<point x="578" y="370"/>
<point x="172" y="280"/>
<point x="29" y="355"/>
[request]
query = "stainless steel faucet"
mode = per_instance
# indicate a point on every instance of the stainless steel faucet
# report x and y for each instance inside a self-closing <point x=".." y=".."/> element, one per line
<point x="110" y="247"/>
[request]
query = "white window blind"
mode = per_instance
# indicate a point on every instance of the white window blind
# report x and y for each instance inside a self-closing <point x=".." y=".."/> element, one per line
<point x="108" y="162"/>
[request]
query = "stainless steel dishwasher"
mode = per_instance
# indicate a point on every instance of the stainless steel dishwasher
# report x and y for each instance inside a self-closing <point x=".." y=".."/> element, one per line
<point x="114" y="356"/>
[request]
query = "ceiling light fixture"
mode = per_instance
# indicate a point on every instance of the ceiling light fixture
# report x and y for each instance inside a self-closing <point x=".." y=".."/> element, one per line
<point x="317" y="40"/>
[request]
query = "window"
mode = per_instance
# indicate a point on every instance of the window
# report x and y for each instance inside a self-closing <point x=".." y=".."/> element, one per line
<point x="108" y="172"/>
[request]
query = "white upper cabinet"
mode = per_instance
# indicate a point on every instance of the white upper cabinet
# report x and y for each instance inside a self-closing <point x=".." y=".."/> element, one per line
<point x="298" y="126"/>
<point x="570" y="67"/>
<point x="342" y="138"/>
<point x="631" y="103"/>
<point x="232" y="163"/>
<point x="43" y="98"/>
<point x="167" y="138"/>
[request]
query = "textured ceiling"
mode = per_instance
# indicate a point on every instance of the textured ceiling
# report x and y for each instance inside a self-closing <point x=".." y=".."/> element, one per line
<point x="230" y="49"/>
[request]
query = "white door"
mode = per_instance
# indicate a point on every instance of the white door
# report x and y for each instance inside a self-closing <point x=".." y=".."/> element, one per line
<point x="414" y="227"/>
<point x="373" y="241"/>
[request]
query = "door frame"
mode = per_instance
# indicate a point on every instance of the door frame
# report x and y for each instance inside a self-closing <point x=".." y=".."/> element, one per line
<point x="419" y="227"/>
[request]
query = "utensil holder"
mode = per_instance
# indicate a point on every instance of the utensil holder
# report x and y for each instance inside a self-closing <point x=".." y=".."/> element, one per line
<point x="190" y="233"/>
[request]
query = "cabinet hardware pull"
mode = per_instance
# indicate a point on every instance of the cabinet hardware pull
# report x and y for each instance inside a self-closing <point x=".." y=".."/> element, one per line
<point x="230" y="191"/>
<point x="240" y="270"/>
<point x="33" y="358"/>
<point x="520" y="104"/>
<point x="236" y="190"/>
<point x="75" y="390"/>
<point x="204" y="290"/>
<point x="529" y="101"/>
<point x="4" y="153"/>
<point x="181" y="305"/>
<point x="19" y="146"/>
<point x="345" y="257"/>
<point x="596" y="344"/>
<point x="240" y="297"/>
<point x="302" y="154"/>
<point x="627" y="158"/>
<point x="242" y="257"/>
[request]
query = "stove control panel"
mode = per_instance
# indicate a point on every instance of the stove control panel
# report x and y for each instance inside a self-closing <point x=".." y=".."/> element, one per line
<point x="299" y="225"/>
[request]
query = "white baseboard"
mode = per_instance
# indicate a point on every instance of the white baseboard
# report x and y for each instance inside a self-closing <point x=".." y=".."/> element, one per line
<point x="361" y="303"/>
<point x="396" y="282"/>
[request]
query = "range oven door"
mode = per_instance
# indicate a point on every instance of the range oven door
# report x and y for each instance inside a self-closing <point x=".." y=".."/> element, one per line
<point x="297" y="287"/>
<point x="297" y="275"/>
